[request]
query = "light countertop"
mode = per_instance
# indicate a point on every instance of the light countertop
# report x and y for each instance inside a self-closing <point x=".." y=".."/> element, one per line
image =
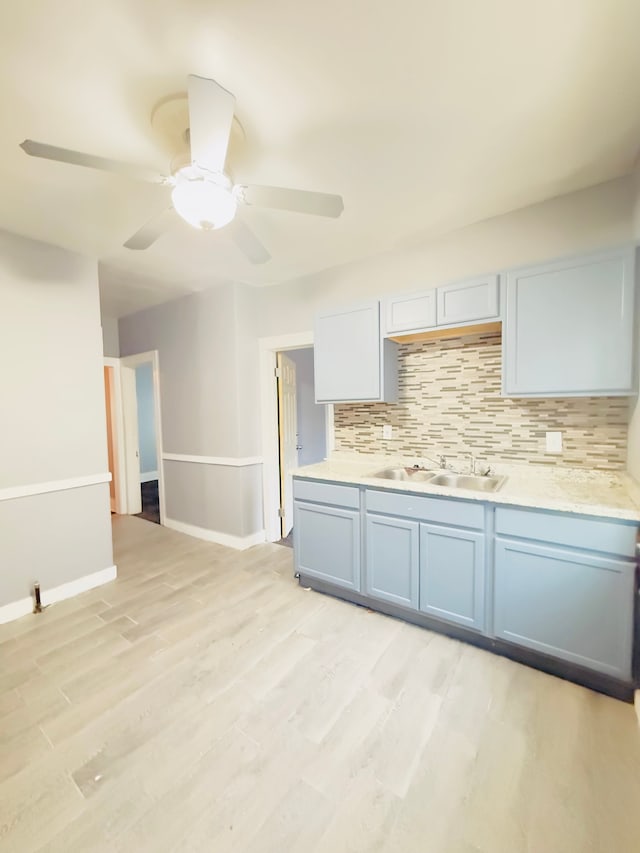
<point x="609" y="494"/>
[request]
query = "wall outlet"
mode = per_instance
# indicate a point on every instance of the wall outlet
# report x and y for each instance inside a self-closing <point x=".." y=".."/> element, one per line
<point x="554" y="442"/>
<point x="387" y="431"/>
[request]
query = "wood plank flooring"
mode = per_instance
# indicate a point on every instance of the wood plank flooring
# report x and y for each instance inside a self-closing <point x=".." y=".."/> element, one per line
<point x="205" y="702"/>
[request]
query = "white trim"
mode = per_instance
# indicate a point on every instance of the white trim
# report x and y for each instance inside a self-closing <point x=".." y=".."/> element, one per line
<point x="148" y="476"/>
<point x="268" y="347"/>
<point x="232" y="461"/>
<point x="32" y="489"/>
<point x="15" y="610"/>
<point x="24" y="606"/>
<point x="118" y="428"/>
<point x="240" y="543"/>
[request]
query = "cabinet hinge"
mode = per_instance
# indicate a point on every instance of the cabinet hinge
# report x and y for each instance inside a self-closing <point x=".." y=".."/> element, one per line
<point x="280" y="513"/>
<point x="276" y="372"/>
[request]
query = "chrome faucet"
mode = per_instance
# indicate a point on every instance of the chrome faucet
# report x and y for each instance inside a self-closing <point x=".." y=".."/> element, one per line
<point x="441" y="461"/>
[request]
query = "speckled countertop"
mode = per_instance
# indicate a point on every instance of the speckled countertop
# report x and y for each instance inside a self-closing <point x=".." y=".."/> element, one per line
<point x="608" y="494"/>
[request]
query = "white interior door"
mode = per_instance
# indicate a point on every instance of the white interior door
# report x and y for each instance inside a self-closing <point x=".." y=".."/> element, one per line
<point x="131" y="449"/>
<point x="288" y="431"/>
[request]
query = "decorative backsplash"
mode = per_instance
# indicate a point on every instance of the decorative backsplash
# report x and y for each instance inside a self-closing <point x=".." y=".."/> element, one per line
<point x="450" y="402"/>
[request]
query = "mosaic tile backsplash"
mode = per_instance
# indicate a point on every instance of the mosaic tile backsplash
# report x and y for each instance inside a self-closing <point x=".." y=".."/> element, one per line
<point x="449" y="402"/>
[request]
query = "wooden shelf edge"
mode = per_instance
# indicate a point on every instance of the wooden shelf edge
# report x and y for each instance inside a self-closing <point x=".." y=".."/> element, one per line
<point x="443" y="334"/>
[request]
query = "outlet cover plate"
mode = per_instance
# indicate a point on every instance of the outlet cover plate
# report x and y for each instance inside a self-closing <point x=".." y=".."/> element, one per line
<point x="554" y="442"/>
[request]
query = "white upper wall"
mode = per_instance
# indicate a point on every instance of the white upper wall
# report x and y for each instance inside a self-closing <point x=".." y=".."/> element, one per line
<point x="53" y="418"/>
<point x="579" y="222"/>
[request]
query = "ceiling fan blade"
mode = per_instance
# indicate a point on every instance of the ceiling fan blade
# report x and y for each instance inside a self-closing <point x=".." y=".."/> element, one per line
<point x="210" y="116"/>
<point x="300" y="201"/>
<point x="150" y="232"/>
<point x="79" y="158"/>
<point x="247" y="242"/>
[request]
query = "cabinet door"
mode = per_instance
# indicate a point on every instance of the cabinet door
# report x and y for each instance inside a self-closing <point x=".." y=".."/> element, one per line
<point x="565" y="603"/>
<point x="465" y="301"/>
<point x="452" y="574"/>
<point x="347" y="360"/>
<point x="569" y="327"/>
<point x="327" y="543"/>
<point x="392" y="560"/>
<point x="408" y="313"/>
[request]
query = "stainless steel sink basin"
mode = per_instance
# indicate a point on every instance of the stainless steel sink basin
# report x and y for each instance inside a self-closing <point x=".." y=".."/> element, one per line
<point x="467" y="481"/>
<point x="413" y="475"/>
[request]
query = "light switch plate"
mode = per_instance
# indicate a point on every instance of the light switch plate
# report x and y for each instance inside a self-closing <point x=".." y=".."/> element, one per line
<point x="387" y="431"/>
<point x="554" y="442"/>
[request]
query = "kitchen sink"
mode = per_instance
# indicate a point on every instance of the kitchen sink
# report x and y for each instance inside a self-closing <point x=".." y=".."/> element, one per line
<point x="412" y="475"/>
<point x="468" y="481"/>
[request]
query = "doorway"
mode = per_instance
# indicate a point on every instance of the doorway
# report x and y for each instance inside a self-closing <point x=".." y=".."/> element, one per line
<point x="134" y="431"/>
<point x="302" y="426"/>
<point x="147" y="444"/>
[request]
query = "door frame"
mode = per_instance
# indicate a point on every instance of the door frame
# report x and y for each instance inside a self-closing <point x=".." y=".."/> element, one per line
<point x="268" y="347"/>
<point x="117" y="434"/>
<point x="131" y="362"/>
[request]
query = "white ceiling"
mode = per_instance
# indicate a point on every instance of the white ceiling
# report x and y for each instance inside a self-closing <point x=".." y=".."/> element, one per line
<point x="425" y="115"/>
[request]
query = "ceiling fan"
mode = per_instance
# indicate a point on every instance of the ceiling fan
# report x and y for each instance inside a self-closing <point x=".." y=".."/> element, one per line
<point x="202" y="194"/>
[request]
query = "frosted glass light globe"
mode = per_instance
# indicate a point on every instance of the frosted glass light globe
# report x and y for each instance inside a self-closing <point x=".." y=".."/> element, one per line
<point x="204" y="201"/>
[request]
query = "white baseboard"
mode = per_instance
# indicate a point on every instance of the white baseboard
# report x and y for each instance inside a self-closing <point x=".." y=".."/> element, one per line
<point x="24" y="606"/>
<point x="240" y="543"/>
<point x="148" y="476"/>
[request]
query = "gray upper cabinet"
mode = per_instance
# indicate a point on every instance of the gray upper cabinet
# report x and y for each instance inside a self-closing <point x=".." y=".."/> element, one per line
<point x="568" y="327"/>
<point x="456" y="304"/>
<point x="407" y="313"/>
<point x="352" y="362"/>
<point x="468" y="301"/>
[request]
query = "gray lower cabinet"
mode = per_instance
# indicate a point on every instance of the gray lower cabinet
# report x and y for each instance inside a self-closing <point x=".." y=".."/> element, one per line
<point x="452" y="574"/>
<point x="327" y="543"/>
<point x="392" y="559"/>
<point x="564" y="602"/>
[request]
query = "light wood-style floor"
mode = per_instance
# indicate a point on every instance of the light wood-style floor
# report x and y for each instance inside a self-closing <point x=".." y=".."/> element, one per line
<point x="205" y="702"/>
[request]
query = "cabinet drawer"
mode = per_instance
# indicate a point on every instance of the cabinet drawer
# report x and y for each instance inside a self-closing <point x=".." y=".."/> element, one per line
<point x="588" y="534"/>
<point x="326" y="493"/>
<point x="439" y="510"/>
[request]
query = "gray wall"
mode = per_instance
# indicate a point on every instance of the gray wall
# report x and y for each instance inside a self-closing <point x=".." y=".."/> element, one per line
<point x="312" y="423"/>
<point x="110" y="341"/>
<point x="208" y="359"/>
<point x="146" y="419"/>
<point x="53" y="423"/>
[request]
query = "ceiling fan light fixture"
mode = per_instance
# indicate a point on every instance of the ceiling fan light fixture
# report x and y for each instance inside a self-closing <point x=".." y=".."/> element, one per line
<point x="203" y="200"/>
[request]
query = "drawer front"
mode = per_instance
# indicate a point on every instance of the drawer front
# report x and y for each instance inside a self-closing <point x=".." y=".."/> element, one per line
<point x="438" y="510"/>
<point x="326" y="493"/>
<point x="588" y="534"/>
